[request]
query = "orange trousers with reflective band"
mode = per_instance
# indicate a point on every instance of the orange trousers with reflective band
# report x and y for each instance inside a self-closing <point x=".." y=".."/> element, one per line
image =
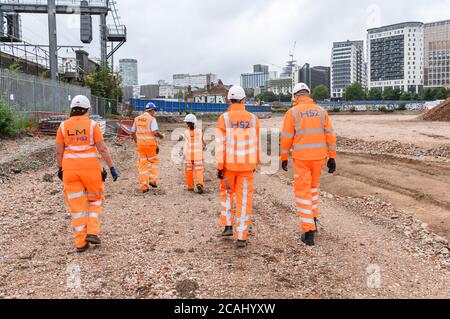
<point x="306" y="185"/>
<point x="148" y="166"/>
<point x="191" y="169"/>
<point x="241" y="186"/>
<point x="83" y="193"/>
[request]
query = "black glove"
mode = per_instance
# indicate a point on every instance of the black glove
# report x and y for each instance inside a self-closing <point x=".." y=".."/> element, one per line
<point x="104" y="175"/>
<point x="115" y="174"/>
<point x="60" y="173"/>
<point x="331" y="165"/>
<point x="284" y="165"/>
<point x="157" y="150"/>
<point x="220" y="174"/>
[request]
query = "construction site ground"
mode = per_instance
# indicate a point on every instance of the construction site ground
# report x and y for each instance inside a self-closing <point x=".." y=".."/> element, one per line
<point x="384" y="225"/>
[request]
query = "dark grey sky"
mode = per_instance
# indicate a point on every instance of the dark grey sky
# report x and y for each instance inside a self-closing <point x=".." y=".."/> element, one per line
<point x="228" y="37"/>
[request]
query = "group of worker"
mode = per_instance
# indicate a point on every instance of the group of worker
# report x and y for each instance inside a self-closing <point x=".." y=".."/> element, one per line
<point x="307" y="130"/>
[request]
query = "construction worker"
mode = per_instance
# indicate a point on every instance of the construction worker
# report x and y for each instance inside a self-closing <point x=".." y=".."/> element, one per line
<point x="237" y="152"/>
<point x="77" y="142"/>
<point x="144" y="132"/>
<point x="307" y="129"/>
<point x="193" y="154"/>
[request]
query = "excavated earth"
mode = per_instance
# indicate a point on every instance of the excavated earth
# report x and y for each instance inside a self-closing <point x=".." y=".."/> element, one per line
<point x="384" y="227"/>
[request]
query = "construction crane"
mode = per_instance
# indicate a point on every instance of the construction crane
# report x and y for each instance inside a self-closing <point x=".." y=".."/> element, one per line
<point x="291" y="54"/>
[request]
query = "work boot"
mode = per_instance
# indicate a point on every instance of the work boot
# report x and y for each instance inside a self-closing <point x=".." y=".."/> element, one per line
<point x="200" y="189"/>
<point x="315" y="223"/>
<point x="190" y="190"/>
<point x="241" y="243"/>
<point x="145" y="190"/>
<point x="83" y="249"/>
<point x="228" y="231"/>
<point x="308" y="238"/>
<point x="93" y="239"/>
<point x="153" y="185"/>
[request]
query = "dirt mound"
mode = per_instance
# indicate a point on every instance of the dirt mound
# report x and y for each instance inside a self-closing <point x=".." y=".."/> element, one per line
<point x="439" y="113"/>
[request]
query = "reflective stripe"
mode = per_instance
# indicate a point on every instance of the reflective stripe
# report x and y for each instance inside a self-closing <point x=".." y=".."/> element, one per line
<point x="241" y="153"/>
<point x="315" y="198"/>
<point x="311" y="131"/>
<point x="315" y="207"/>
<point x="76" y="195"/>
<point x="287" y="135"/>
<point x="143" y="173"/>
<point x="80" y="148"/>
<point x="308" y="221"/>
<point x="79" y="229"/>
<point x="145" y="131"/>
<point x="82" y="155"/>
<point x="79" y="215"/>
<point x="98" y="203"/>
<point x="254" y="121"/>
<point x="243" y="227"/>
<point x="62" y="129"/>
<point x="148" y="138"/>
<point x="92" y="195"/>
<point x="93" y="215"/>
<point x="92" y="132"/>
<point x="332" y="148"/>
<point x="303" y="201"/>
<point x="227" y="120"/>
<point x="330" y="130"/>
<point x="284" y="152"/>
<point x="309" y="146"/>
<point x="315" y="190"/>
<point x="322" y="118"/>
<point x="304" y="211"/>
<point x="189" y="169"/>
<point x="228" y="200"/>
<point x="245" y="143"/>
<point x="153" y="176"/>
<point x="297" y="123"/>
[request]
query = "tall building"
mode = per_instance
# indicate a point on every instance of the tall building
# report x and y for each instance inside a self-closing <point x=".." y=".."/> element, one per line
<point x="257" y="68"/>
<point x="437" y="54"/>
<point x="279" y="86"/>
<point x="129" y="72"/>
<point x="199" y="81"/>
<point x="396" y="56"/>
<point x="347" y="66"/>
<point x="312" y="76"/>
<point x="254" y="80"/>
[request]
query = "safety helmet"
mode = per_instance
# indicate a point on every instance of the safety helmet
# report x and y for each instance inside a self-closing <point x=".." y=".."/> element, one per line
<point x="80" y="101"/>
<point x="150" y="106"/>
<point x="236" y="93"/>
<point x="301" y="87"/>
<point x="190" y="118"/>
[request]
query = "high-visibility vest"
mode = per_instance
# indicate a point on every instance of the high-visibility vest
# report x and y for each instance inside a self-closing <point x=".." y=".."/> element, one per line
<point x="308" y="130"/>
<point x="80" y="149"/>
<point x="144" y="134"/>
<point x="194" y="145"/>
<point x="237" y="140"/>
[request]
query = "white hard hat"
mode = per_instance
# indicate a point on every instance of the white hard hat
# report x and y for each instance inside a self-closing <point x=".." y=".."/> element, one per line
<point x="236" y="93"/>
<point x="190" y="118"/>
<point x="300" y="87"/>
<point x="80" y="101"/>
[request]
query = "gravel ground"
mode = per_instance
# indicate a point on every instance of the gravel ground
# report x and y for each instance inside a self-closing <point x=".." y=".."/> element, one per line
<point x="165" y="244"/>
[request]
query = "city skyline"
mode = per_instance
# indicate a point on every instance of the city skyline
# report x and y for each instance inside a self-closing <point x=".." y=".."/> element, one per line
<point x="215" y="39"/>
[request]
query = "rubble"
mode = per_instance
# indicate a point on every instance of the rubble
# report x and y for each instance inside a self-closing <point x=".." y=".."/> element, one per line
<point x="439" y="113"/>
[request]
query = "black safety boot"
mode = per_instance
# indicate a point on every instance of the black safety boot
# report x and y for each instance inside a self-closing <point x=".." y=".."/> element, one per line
<point x="153" y="185"/>
<point x="200" y="189"/>
<point x="308" y="238"/>
<point x="93" y="239"/>
<point x="241" y="243"/>
<point x="83" y="249"/>
<point x="228" y="231"/>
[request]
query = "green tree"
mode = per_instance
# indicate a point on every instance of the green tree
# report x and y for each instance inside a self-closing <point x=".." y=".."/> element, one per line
<point x="375" y="94"/>
<point x="180" y="95"/>
<point x="391" y="94"/>
<point x="427" y="94"/>
<point x="320" y="93"/>
<point x="440" y="94"/>
<point x="7" y="120"/>
<point x="355" y="92"/>
<point x="406" y="96"/>
<point x="105" y="85"/>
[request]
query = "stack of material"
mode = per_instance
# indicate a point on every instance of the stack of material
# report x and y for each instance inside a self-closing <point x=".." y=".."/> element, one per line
<point x="50" y="125"/>
<point x="439" y="113"/>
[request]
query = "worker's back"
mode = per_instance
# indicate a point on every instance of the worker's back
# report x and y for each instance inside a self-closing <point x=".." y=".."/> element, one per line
<point x="238" y="137"/>
<point x="194" y="145"/>
<point x="144" y="133"/>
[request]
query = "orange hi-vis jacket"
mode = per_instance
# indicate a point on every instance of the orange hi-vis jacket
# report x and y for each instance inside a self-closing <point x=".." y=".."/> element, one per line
<point x="237" y="140"/>
<point x="194" y="145"/>
<point x="308" y="130"/>
<point x="79" y="135"/>
<point x="144" y="134"/>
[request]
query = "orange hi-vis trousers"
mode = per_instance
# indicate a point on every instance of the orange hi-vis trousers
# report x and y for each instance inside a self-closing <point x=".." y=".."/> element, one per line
<point x="83" y="192"/>
<point x="306" y="185"/>
<point x="240" y="184"/>
<point x="148" y="166"/>
<point x="194" y="168"/>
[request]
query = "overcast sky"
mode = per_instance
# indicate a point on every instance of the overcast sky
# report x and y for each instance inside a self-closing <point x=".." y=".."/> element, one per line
<point x="227" y="37"/>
